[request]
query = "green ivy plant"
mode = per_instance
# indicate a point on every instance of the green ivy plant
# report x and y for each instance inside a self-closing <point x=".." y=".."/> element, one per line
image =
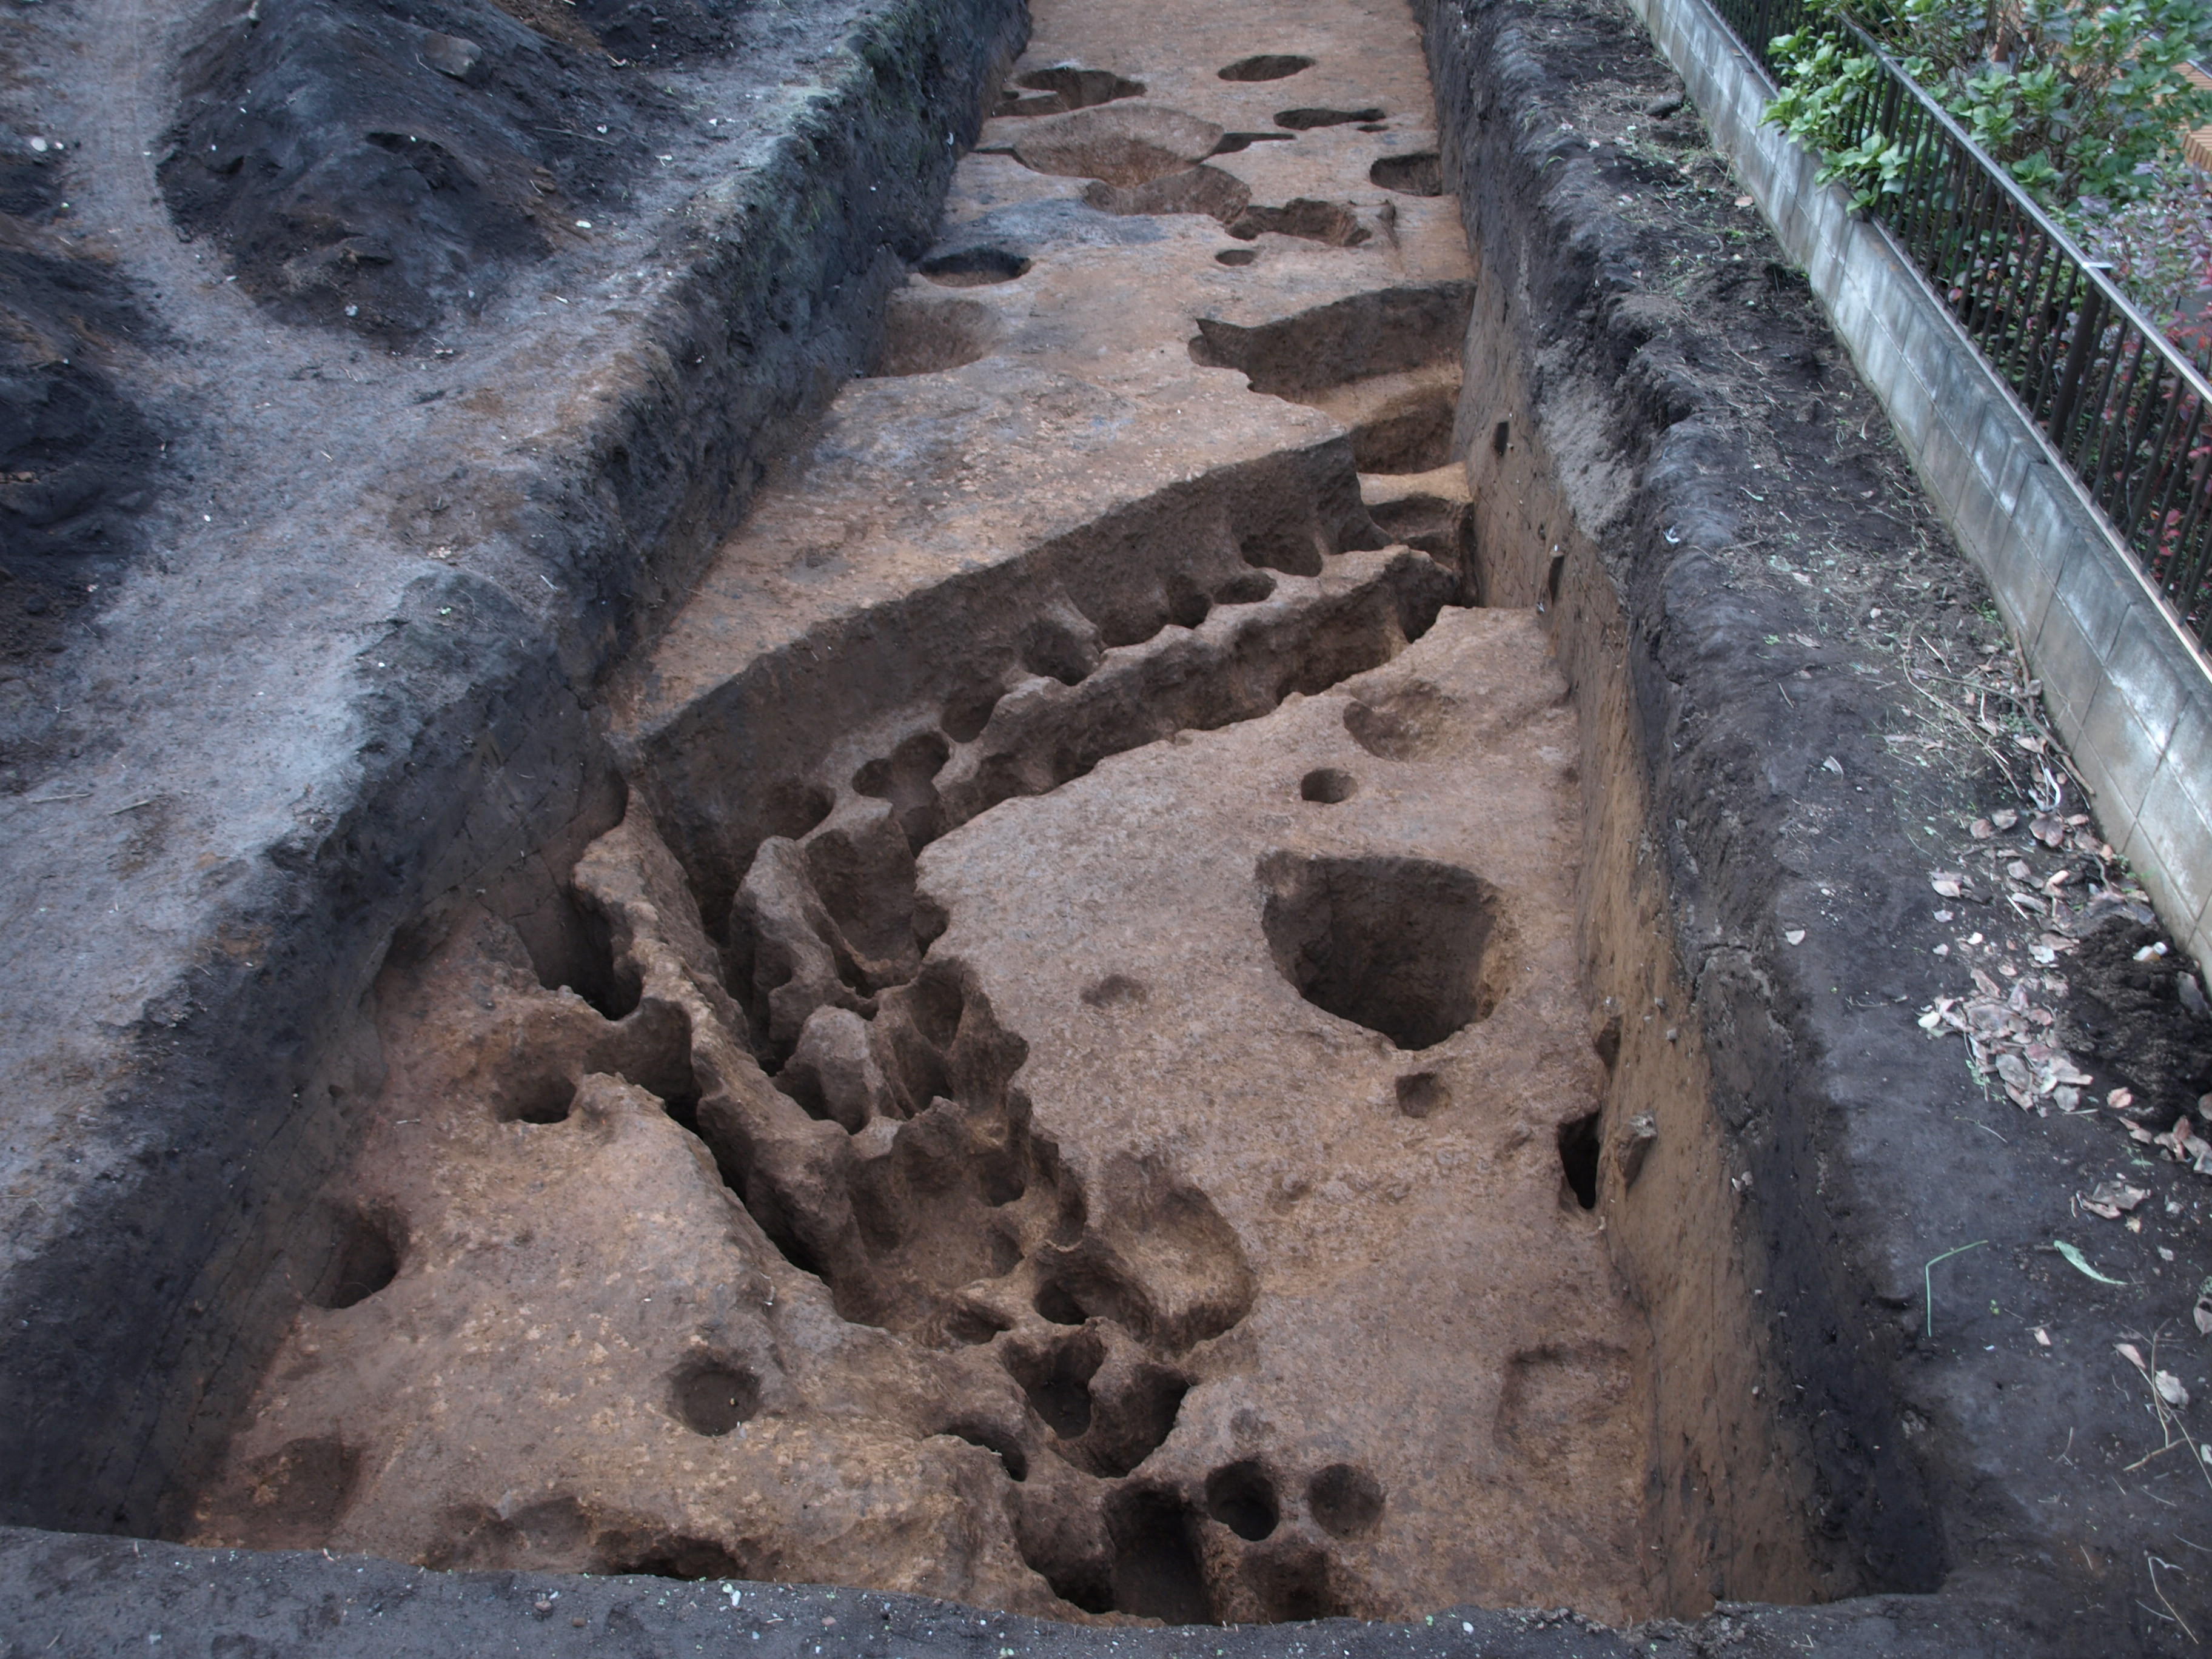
<point x="2079" y="100"/>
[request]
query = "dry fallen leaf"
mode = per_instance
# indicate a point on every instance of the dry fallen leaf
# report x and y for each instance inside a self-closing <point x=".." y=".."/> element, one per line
<point x="2120" y="1099"/>
<point x="1947" y="883"/>
<point x="2042" y="1337"/>
<point x="2132" y="1354"/>
<point x="2080" y="1264"/>
<point x="2113" y="1196"/>
<point x="2170" y="1389"/>
<point x="2005" y="818"/>
<point x="1983" y="830"/>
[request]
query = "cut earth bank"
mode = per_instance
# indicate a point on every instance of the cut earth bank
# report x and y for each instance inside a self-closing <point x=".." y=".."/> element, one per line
<point x="1178" y="1191"/>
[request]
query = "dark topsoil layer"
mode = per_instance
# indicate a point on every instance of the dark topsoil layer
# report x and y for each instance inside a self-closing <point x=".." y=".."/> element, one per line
<point x="76" y="453"/>
<point x="1790" y="604"/>
<point x="373" y="164"/>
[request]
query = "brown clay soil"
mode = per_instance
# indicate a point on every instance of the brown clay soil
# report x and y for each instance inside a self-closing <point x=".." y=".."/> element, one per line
<point x="1087" y="1061"/>
<point x="1170" y="1197"/>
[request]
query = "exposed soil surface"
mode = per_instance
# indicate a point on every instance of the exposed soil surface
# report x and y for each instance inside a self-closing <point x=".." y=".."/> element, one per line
<point x="372" y="166"/>
<point x="1853" y="770"/>
<point x="1166" y="1192"/>
<point x="365" y="575"/>
<point x="1293" y="919"/>
<point x="79" y="459"/>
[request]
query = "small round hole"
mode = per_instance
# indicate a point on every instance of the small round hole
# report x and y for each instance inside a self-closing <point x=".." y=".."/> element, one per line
<point x="1327" y="784"/>
<point x="967" y="714"/>
<point x="365" y="1260"/>
<point x="1053" y="1303"/>
<point x="1422" y="1094"/>
<point x="1189" y="609"/>
<point x="1422" y="175"/>
<point x="1305" y="120"/>
<point x="537" y="1100"/>
<point x="1115" y="990"/>
<point x="712" y="1398"/>
<point x="792" y="809"/>
<point x="1237" y="256"/>
<point x="1009" y="1455"/>
<point x="975" y="267"/>
<point x="1249" y="588"/>
<point x="1266" y="66"/>
<point x="1242" y="1499"/>
<point x="1578" y="1157"/>
<point x="972" y="1326"/>
<point x="1344" y="1499"/>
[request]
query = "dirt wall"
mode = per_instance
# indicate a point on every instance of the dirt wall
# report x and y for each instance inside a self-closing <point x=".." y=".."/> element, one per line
<point x="1601" y="486"/>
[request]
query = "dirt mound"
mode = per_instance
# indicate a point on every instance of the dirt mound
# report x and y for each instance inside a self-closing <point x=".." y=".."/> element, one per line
<point x="77" y="452"/>
<point x="2126" y="1014"/>
<point x="377" y="165"/>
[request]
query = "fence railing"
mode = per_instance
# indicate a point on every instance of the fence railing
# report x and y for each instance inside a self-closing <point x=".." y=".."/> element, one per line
<point x="2124" y="406"/>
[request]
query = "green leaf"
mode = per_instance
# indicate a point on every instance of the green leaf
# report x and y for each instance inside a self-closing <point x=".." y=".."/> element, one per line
<point x="2082" y="1262"/>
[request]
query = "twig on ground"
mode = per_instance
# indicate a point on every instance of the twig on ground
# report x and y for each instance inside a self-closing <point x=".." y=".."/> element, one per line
<point x="2152" y="1562"/>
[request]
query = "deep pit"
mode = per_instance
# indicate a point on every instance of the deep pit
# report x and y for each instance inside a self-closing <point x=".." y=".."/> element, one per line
<point x="1402" y="946"/>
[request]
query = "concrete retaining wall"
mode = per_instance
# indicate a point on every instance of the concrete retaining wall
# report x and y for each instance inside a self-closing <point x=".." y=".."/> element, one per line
<point x="2126" y="687"/>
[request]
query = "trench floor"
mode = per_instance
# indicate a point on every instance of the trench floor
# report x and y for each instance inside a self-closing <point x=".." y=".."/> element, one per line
<point x="1068" y="1089"/>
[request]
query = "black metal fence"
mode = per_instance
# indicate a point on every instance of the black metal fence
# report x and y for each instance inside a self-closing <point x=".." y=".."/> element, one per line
<point x="2125" y="406"/>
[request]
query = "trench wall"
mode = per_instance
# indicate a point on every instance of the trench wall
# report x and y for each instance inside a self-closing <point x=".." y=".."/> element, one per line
<point x="141" y="1304"/>
<point x="1771" y="1475"/>
<point x="2127" y="687"/>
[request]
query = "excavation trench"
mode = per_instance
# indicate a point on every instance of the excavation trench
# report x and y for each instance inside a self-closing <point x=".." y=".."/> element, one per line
<point x="1106" y="1066"/>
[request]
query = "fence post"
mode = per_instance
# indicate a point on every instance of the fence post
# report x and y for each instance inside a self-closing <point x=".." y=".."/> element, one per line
<point x="2087" y="328"/>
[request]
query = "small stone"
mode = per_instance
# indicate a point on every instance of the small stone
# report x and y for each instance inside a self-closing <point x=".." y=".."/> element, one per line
<point x="451" y="54"/>
<point x="2191" y="994"/>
